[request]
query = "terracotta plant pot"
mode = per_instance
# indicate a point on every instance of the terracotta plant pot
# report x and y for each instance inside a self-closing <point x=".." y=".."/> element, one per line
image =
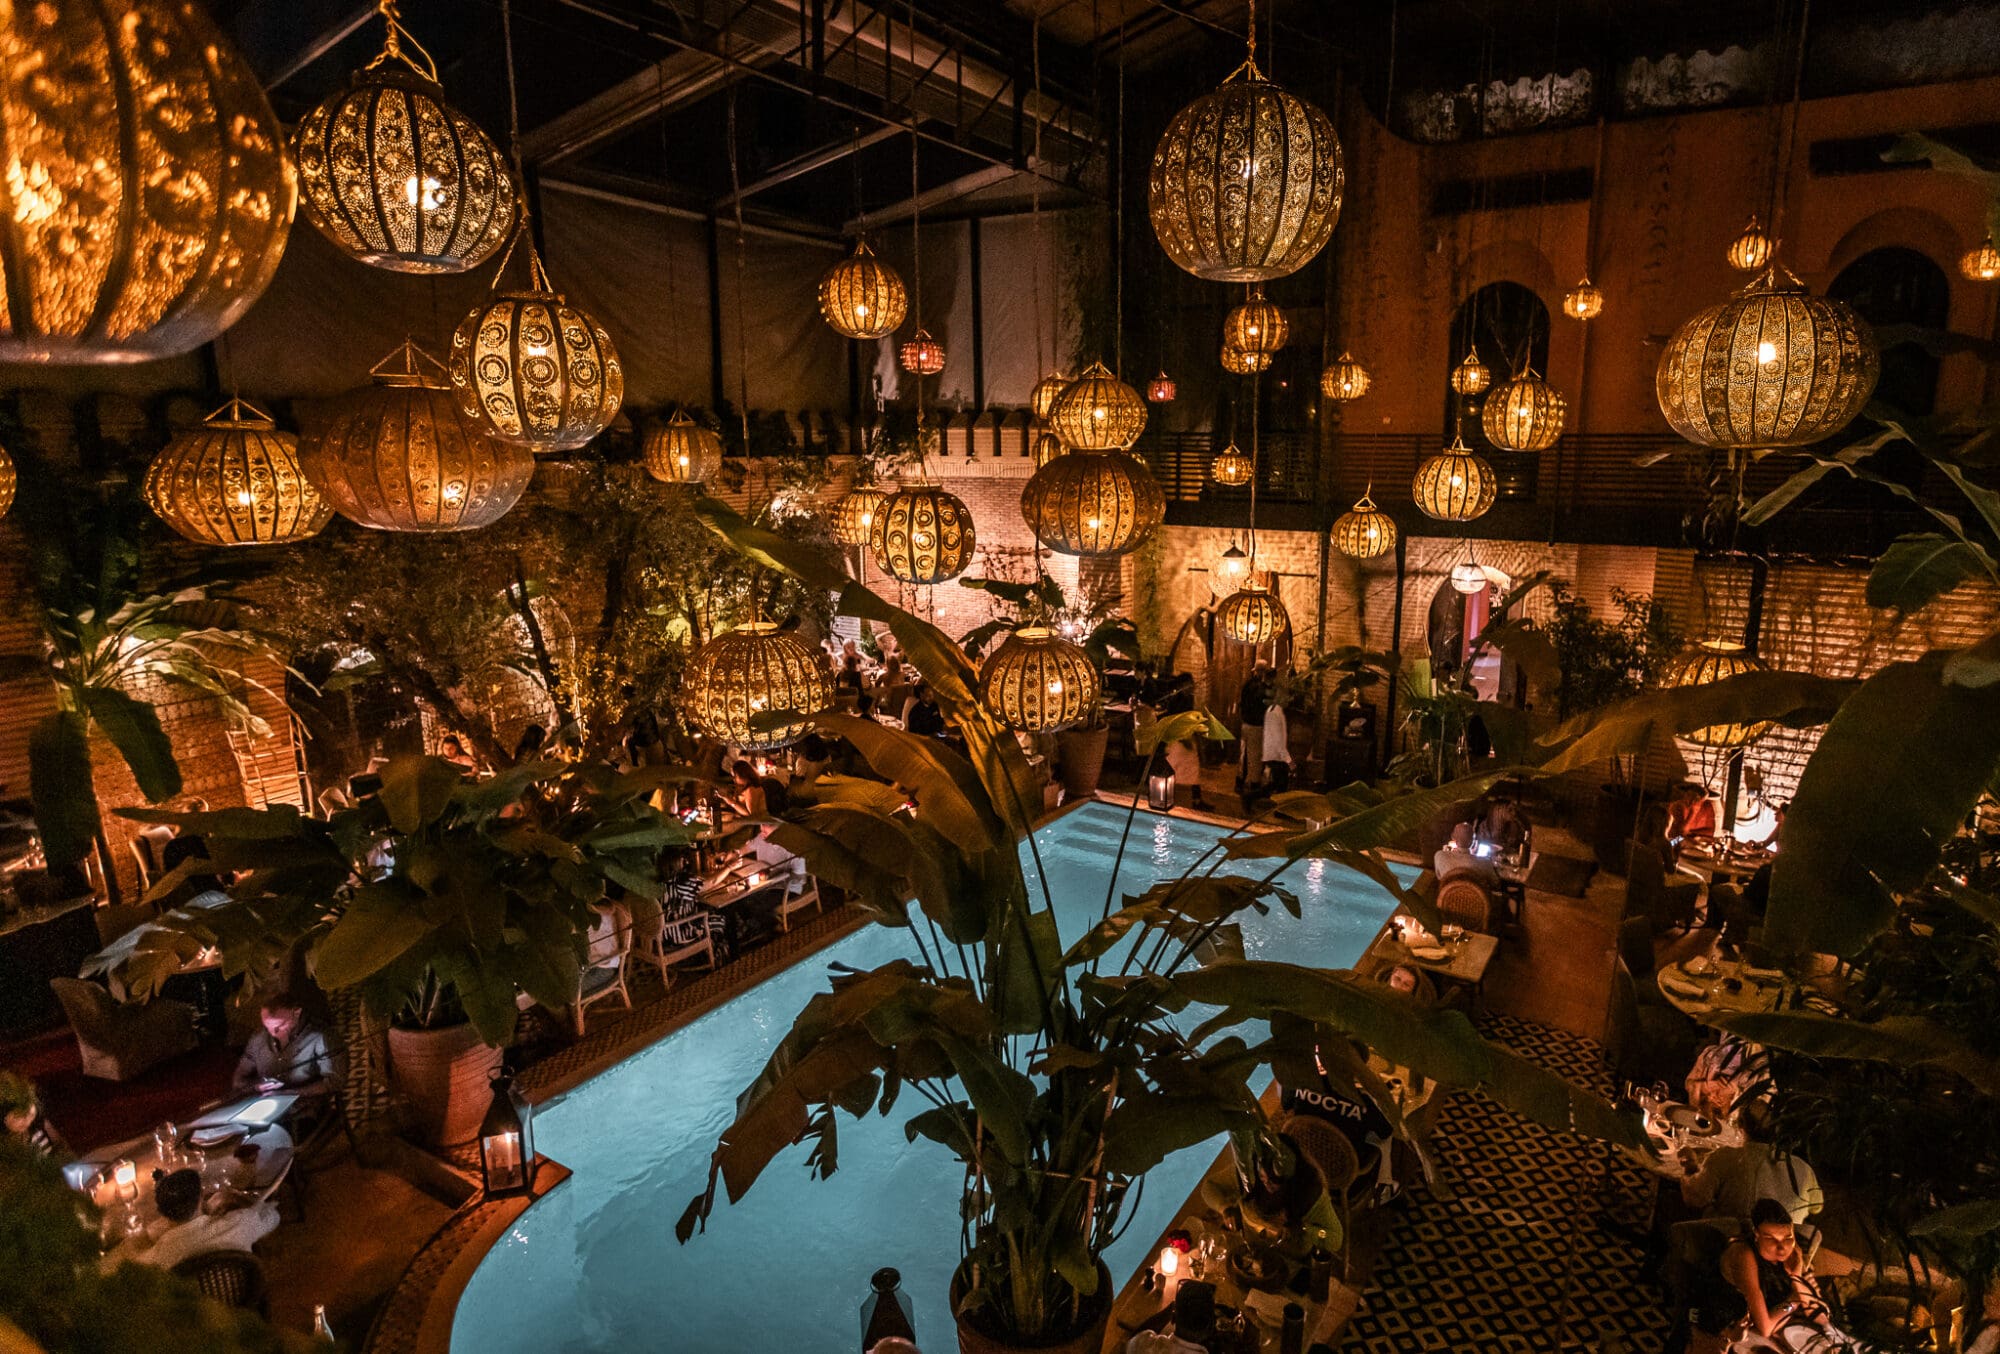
<point x="1082" y="760"/>
<point x="1089" y="1340"/>
<point x="445" y="1077"/>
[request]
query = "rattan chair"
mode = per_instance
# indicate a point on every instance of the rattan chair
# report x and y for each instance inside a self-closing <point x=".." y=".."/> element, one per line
<point x="607" y="966"/>
<point x="1464" y="899"/>
<point x="807" y="897"/>
<point x="1328" y="1148"/>
<point x="232" y="1278"/>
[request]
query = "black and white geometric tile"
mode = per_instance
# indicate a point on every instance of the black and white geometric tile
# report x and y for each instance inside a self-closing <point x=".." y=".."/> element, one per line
<point x="1516" y="1262"/>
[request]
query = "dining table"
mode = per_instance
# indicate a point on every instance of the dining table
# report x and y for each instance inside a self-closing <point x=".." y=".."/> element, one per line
<point x="1716" y="860"/>
<point x="1459" y="956"/>
<point x="241" y="1165"/>
<point x="1681" y="1138"/>
<point x="1705" y="986"/>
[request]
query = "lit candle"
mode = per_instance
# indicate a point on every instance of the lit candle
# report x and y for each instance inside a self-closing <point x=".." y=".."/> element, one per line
<point x="503" y="1154"/>
<point x="1169" y="1268"/>
<point x="126" y="1176"/>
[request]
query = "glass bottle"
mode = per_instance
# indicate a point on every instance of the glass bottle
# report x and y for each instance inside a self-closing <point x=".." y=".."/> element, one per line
<point x="322" y="1332"/>
<point x="887" y="1311"/>
<point x="1292" y="1334"/>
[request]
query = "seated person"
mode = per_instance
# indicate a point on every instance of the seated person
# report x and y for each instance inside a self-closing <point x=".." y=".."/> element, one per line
<point x="811" y="759"/>
<point x="1724" y="1073"/>
<point x="452" y="749"/>
<point x="1402" y="978"/>
<point x="287" y="1053"/>
<point x="1460" y="856"/>
<point x="776" y="859"/>
<point x="1733" y="1179"/>
<point x="1358" y="1118"/>
<point x="850" y="677"/>
<point x="748" y="798"/>
<point x="21" y="1111"/>
<point x="1782" y="1306"/>
<point x="1690" y="813"/>
<point x="1502" y="826"/>
<point x="922" y="715"/>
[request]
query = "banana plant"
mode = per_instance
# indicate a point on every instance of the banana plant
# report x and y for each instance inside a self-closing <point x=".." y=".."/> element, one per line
<point x="108" y="637"/>
<point x="1054" y="1066"/>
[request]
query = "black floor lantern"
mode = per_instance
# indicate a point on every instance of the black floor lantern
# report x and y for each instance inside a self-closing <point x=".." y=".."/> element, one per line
<point x="507" y="1141"/>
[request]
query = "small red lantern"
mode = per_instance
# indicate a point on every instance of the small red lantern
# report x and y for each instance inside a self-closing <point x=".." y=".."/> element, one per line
<point x="1160" y="390"/>
<point x="923" y="355"/>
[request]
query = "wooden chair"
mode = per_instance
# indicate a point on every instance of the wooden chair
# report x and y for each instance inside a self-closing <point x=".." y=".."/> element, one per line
<point x="1328" y="1148"/>
<point x="607" y="965"/>
<point x="797" y="902"/>
<point x="232" y="1278"/>
<point x="1645" y="1044"/>
<point x="667" y="945"/>
<point x="1464" y="899"/>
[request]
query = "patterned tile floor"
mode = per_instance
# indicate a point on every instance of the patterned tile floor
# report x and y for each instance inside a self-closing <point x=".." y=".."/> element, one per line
<point x="1516" y="1262"/>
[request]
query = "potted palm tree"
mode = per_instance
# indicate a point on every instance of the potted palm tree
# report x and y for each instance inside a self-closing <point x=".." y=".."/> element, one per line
<point x="1052" y="1066"/>
<point x="438" y="898"/>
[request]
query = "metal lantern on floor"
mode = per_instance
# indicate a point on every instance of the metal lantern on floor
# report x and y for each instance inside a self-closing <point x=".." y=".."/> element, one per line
<point x="861" y="296"/>
<point x="1093" y="503"/>
<point x="1525" y="413"/>
<point x="7" y="482"/>
<point x="235" y="480"/>
<point x="1098" y="412"/>
<point x="507" y="1142"/>
<point x="1038" y="682"/>
<point x="1281" y="163"/>
<point x="755" y="670"/>
<point x="397" y="177"/>
<point x="1239" y="363"/>
<point x="1231" y="467"/>
<point x="148" y="193"/>
<point x="1364" y="531"/>
<point x="1715" y="660"/>
<point x="1252" y="615"/>
<point x="1751" y="250"/>
<point x="1456" y="485"/>
<point x="399" y="456"/>
<point x="1773" y="366"/>
<point x="1584" y="301"/>
<point x="1047" y="447"/>
<point x="1161" y="389"/>
<point x="1042" y="399"/>
<point x="854" y="515"/>
<point x="922" y="355"/>
<point x="1160" y="788"/>
<point x="1345" y="380"/>
<point x="681" y="451"/>
<point x="1981" y="264"/>
<point x="1256" y="326"/>
<point x="534" y="369"/>
<point x="922" y="534"/>
<point x="1471" y="376"/>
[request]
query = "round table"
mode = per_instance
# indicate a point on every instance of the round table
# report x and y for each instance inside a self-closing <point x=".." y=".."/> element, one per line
<point x="237" y="1229"/>
<point x="1722" y="987"/>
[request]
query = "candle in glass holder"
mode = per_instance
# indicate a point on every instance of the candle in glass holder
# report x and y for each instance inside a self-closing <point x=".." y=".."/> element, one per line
<point x="126" y="1176"/>
<point x="1168" y="1266"/>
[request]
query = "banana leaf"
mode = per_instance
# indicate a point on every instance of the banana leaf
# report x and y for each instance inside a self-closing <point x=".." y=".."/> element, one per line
<point x="59" y="783"/>
<point x="1897" y="1041"/>
<point x="1917" y="570"/>
<point x="1796" y="700"/>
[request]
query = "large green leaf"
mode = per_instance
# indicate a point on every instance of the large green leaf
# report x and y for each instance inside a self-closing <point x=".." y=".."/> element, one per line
<point x="1384" y="823"/>
<point x="60" y="785"/>
<point x="1917" y="570"/>
<point x="1796" y="700"/>
<point x="134" y="729"/>
<point x="1897" y="1041"/>
<point x="1152" y="731"/>
<point x="947" y="789"/>
<point x="1147" y="1127"/>
<point x="380" y="925"/>
<point x="417" y="790"/>
<point x="1901" y="764"/>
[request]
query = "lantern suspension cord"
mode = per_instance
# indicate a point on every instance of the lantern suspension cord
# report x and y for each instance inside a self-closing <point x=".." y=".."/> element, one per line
<point x="1775" y="111"/>
<point x="917" y="270"/>
<point x="396" y="38"/>
<point x="1792" y="135"/>
<point x="742" y="338"/>
<point x="1118" y="279"/>
<point x="1035" y="196"/>
<point x="513" y="87"/>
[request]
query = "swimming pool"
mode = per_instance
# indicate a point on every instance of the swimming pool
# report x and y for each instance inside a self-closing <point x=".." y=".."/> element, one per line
<point x="594" y="1264"/>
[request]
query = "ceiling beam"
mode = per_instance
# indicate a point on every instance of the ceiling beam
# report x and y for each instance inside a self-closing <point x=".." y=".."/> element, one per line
<point x="931" y="199"/>
<point x="356" y="18"/>
<point x="831" y="153"/>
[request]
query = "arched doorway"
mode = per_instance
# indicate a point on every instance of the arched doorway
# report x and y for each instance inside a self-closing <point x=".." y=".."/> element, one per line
<point x="1509" y="327"/>
<point x="1899" y="286"/>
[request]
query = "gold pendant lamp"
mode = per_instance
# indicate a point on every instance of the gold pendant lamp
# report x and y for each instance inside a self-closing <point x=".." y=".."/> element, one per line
<point x="148" y="193"/>
<point x="1584" y="301"/>
<point x="397" y="177"/>
<point x="1230" y="467"/>
<point x="681" y="451"/>
<point x="533" y="369"/>
<point x="1047" y="447"/>
<point x="1161" y="389"/>
<point x="1229" y="570"/>
<point x="1093" y="503"/>
<point x="1750" y="251"/>
<point x="1981" y="264"/>
<point x="1252" y="615"/>
<point x="922" y="355"/>
<point x="235" y="480"/>
<point x="1773" y="366"/>
<point x="1344" y="380"/>
<point x="1038" y="682"/>
<point x="1045" y="394"/>
<point x="1256" y="326"/>
<point x="1239" y="363"/>
<point x="863" y="297"/>
<point x="1456" y="485"/>
<point x="1524" y="413"/>
<point x="7" y="481"/>
<point x="1098" y="412"/>
<point x="751" y="671"/>
<point x="1471" y="377"/>
<point x="854" y="515"/>
<point x="1364" y="531"/>
<point x="922" y="534"/>
<point x="398" y="455"/>
<point x="1280" y="160"/>
<point x="1715" y="660"/>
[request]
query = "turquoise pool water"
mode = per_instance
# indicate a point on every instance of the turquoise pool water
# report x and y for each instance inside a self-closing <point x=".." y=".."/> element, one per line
<point x="594" y="1264"/>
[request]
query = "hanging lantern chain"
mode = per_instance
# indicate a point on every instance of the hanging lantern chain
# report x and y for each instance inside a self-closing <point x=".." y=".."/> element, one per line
<point x="742" y="338"/>
<point x="513" y="91"/>
<point x="394" y="40"/>
<point x="1035" y="194"/>
<point x="1118" y="278"/>
<point x="1784" y="184"/>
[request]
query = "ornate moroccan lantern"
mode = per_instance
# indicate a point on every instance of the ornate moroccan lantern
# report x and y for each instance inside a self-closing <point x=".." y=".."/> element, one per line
<point x="7" y="482"/>
<point x="1252" y="615"/>
<point x="235" y="480"/>
<point x="397" y="177"/>
<point x="1713" y="660"/>
<point x="1344" y="380"/>
<point x="1365" y="531"/>
<point x="398" y="456"/>
<point x="1231" y="467"/>
<point x="1981" y="264"/>
<point x="1471" y="376"/>
<point x="1161" y="389"/>
<point x="1256" y="326"/>
<point x="1038" y="681"/>
<point x="1047" y="447"/>
<point x="147" y="193"/>
<point x="1751" y="250"/>
<point x="922" y="534"/>
<point x="1045" y="394"/>
<point x="751" y="670"/>
<point x="1093" y="503"/>
<point x="535" y="370"/>
<point x="1098" y="412"/>
<point x="1524" y="414"/>
<point x="1467" y="577"/>
<point x="861" y="296"/>
<point x="681" y="451"/>
<point x="854" y="515"/>
<point x="1456" y="485"/>
<point x="922" y="355"/>
<point x="1246" y="181"/>
<point x="1229" y="571"/>
<point x="1773" y="366"/>
<point x="1584" y="301"/>
<point x="1239" y="363"/>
